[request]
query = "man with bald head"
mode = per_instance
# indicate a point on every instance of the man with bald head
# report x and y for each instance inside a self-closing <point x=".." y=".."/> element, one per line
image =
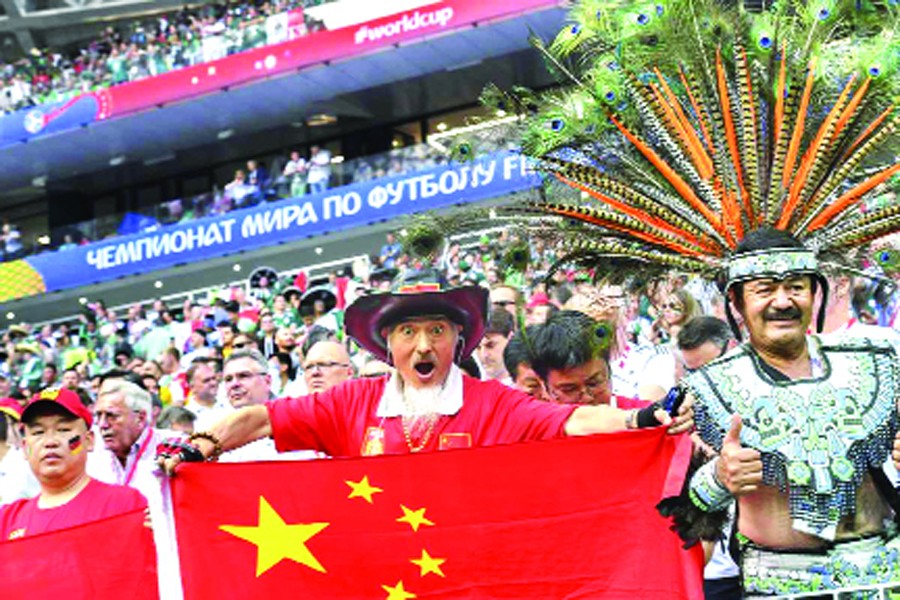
<point x="327" y="363"/>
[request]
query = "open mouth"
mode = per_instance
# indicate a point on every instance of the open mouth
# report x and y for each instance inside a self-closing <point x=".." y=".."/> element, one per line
<point x="424" y="367"/>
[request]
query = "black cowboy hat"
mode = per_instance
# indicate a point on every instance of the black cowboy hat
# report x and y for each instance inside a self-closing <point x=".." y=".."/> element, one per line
<point x="270" y="274"/>
<point x="421" y="293"/>
<point x="321" y="292"/>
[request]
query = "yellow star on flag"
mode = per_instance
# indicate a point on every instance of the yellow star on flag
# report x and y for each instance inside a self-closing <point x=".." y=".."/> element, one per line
<point x="362" y="489"/>
<point x="415" y="518"/>
<point x="275" y="540"/>
<point x="397" y="592"/>
<point x="429" y="564"/>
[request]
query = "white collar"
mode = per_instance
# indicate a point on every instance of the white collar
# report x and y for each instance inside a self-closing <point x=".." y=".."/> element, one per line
<point x="449" y="403"/>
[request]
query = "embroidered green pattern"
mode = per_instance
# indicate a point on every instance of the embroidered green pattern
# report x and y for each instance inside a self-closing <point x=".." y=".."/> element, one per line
<point x="817" y="437"/>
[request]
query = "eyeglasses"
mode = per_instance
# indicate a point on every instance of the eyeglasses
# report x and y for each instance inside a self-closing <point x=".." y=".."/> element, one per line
<point x="242" y="345"/>
<point x="573" y="393"/>
<point x="322" y="366"/>
<point x="241" y="377"/>
<point x="110" y="417"/>
<point x="673" y="307"/>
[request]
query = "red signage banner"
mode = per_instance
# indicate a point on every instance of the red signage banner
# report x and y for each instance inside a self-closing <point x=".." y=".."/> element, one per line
<point x="313" y="49"/>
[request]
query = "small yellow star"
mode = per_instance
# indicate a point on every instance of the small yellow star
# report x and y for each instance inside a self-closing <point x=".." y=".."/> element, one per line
<point x="429" y="564"/>
<point x="362" y="489"/>
<point x="415" y="518"/>
<point x="275" y="540"/>
<point x="397" y="592"/>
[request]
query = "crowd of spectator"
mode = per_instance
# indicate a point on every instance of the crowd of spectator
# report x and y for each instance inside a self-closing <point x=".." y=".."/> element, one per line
<point x="143" y="49"/>
<point x="561" y="335"/>
<point x="290" y="176"/>
<point x="283" y="317"/>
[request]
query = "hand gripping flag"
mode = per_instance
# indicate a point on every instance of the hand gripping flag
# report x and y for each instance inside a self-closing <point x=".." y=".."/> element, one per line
<point x="109" y="559"/>
<point x="571" y="518"/>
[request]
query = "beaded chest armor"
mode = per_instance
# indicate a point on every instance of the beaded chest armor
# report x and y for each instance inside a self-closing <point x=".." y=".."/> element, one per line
<point x="817" y="436"/>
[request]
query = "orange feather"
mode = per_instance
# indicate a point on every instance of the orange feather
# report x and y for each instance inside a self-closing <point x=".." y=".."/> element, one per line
<point x="868" y="130"/>
<point x="810" y="156"/>
<point x="699" y="156"/>
<point x="730" y="134"/>
<point x="697" y="111"/>
<point x="794" y="147"/>
<point x="730" y="203"/>
<point x="638" y="214"/>
<point x="641" y="235"/>
<point x="683" y="189"/>
<point x="851" y="196"/>
<point x="731" y="213"/>
<point x="851" y="108"/>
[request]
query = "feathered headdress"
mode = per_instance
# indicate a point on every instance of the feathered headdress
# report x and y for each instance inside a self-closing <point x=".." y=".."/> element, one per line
<point x="686" y="125"/>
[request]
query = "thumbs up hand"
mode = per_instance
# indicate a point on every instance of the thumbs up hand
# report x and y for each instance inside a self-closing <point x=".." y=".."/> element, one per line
<point x="739" y="469"/>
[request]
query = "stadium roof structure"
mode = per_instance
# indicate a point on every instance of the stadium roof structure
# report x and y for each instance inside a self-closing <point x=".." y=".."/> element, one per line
<point x="31" y="23"/>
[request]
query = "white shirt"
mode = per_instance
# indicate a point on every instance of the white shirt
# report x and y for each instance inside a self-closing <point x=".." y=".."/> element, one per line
<point x="659" y="370"/>
<point x="147" y="478"/>
<point x="16" y="478"/>
<point x="264" y="449"/>
<point x="319" y="167"/>
<point x="207" y="416"/>
<point x="628" y="370"/>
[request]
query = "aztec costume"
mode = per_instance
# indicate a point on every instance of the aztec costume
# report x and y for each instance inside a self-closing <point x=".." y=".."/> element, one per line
<point x="684" y="127"/>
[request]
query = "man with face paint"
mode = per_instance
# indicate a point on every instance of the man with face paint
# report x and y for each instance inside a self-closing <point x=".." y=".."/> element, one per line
<point x="57" y="440"/>
<point x="425" y="329"/>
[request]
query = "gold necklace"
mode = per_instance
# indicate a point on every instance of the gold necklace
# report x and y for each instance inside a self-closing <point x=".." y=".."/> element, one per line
<point x="411" y="417"/>
<point x="432" y="421"/>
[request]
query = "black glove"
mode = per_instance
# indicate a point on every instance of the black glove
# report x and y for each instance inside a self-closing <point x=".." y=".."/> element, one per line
<point x="646" y="418"/>
<point x="175" y="447"/>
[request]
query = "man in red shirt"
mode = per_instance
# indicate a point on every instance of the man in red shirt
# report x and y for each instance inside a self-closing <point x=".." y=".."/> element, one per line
<point x="424" y="329"/>
<point x="57" y="440"/>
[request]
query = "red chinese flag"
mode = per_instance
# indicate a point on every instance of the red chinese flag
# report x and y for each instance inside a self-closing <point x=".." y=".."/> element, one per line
<point x="109" y="559"/>
<point x="570" y="518"/>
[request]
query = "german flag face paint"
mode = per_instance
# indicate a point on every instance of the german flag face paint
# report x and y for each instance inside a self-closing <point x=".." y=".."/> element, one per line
<point x="75" y="445"/>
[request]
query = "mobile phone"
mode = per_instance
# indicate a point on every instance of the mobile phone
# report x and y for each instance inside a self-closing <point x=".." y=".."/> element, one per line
<point x="672" y="401"/>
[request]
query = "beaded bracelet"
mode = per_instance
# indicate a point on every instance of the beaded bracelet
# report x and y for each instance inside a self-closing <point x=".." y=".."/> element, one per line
<point x="706" y="491"/>
<point x="211" y="438"/>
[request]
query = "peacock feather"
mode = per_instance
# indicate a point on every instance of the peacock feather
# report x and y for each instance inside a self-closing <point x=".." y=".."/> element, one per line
<point x="684" y="125"/>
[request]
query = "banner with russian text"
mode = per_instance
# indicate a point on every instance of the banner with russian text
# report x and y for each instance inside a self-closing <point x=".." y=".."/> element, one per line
<point x="271" y="223"/>
<point x="104" y="560"/>
<point x="570" y="518"/>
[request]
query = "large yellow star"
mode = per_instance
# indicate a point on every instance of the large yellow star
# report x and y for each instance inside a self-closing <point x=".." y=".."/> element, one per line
<point x="397" y="592"/>
<point x="362" y="489"/>
<point x="429" y="564"/>
<point x="415" y="518"/>
<point x="275" y="540"/>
